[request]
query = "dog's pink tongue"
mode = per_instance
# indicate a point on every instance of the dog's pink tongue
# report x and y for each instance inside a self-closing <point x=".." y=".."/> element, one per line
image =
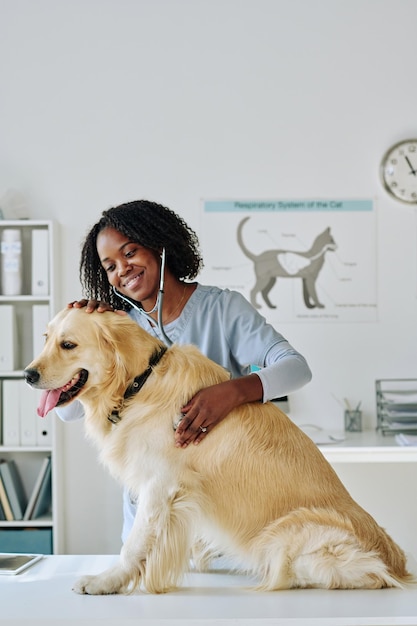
<point x="48" y="401"/>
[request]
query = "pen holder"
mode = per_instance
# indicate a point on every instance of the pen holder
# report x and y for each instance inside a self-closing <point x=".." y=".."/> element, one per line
<point x="353" y="421"/>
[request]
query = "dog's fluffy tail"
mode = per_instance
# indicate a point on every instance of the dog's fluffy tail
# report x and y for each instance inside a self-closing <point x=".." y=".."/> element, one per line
<point x="296" y="551"/>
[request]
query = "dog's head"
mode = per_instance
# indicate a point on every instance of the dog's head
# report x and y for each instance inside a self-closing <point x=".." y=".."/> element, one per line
<point x="86" y="353"/>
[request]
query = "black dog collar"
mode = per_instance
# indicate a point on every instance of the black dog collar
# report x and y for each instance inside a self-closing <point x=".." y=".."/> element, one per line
<point x="138" y="383"/>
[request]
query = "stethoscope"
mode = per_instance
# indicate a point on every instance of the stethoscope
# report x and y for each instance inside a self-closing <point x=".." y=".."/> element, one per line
<point x="158" y="303"/>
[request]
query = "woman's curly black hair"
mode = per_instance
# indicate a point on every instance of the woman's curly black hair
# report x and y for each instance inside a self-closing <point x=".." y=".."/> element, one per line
<point x="151" y="225"/>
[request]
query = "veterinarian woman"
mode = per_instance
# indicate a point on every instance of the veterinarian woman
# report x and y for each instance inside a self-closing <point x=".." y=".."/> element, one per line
<point x="134" y="250"/>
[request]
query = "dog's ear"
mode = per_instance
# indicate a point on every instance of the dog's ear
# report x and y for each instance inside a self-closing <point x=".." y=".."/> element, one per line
<point x="111" y="331"/>
<point x="130" y="344"/>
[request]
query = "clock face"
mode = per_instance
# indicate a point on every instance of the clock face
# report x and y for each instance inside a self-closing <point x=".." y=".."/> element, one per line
<point x="399" y="171"/>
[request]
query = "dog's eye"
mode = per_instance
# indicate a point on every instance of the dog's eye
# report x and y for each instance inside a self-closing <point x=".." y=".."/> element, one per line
<point x="67" y="345"/>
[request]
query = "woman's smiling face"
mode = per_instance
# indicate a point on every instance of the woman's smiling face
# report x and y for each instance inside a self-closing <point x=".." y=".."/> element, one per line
<point x="131" y="268"/>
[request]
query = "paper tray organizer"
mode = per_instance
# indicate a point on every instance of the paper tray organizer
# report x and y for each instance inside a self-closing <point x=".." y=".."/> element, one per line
<point x="396" y="405"/>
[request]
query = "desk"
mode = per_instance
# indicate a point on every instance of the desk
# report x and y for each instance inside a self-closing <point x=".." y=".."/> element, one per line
<point x="43" y="594"/>
<point x="368" y="447"/>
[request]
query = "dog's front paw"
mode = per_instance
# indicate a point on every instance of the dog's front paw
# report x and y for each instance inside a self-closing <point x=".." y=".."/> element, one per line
<point x="116" y="579"/>
<point x="96" y="585"/>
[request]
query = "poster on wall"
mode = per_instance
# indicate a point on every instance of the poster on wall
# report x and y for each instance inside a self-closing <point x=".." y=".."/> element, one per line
<point x="294" y="260"/>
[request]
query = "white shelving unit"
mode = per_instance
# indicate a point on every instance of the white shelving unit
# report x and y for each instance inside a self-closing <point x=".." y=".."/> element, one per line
<point x="40" y="534"/>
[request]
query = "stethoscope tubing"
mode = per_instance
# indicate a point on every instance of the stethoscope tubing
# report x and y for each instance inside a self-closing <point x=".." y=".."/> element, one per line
<point x="158" y="304"/>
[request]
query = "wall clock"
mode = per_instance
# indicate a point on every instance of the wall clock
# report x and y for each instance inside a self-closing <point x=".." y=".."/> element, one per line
<point x="399" y="171"/>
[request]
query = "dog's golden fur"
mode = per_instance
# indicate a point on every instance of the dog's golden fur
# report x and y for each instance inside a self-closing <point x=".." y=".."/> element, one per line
<point x="256" y="488"/>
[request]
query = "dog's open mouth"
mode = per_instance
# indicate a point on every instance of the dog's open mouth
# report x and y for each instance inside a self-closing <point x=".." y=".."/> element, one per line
<point x="51" y="398"/>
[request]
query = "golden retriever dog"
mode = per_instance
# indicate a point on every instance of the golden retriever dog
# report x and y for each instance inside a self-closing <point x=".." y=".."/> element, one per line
<point x="256" y="488"/>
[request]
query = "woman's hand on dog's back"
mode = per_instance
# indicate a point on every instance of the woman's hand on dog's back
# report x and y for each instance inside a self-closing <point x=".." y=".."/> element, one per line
<point x="211" y="405"/>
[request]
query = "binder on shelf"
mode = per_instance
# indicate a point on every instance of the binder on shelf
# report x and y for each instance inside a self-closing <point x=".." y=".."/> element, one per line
<point x="44" y="429"/>
<point x="40" y="319"/>
<point x="21" y="424"/>
<point x="40" y="262"/>
<point x="8" y="338"/>
<point x="14" y="488"/>
<point x="41" y="496"/>
<point x="27" y="415"/>
<point x="4" y="500"/>
<point x="10" y="412"/>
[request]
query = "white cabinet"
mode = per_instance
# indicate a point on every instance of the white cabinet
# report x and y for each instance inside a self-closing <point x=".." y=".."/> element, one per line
<point x="26" y="439"/>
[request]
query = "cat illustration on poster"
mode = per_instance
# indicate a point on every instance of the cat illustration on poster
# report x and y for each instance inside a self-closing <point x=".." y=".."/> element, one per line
<point x="273" y="264"/>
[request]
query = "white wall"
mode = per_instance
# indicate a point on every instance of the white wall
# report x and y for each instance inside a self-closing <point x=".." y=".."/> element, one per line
<point x="104" y="101"/>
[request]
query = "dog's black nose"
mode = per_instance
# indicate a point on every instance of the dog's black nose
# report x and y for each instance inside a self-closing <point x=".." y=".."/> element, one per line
<point x="31" y="376"/>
